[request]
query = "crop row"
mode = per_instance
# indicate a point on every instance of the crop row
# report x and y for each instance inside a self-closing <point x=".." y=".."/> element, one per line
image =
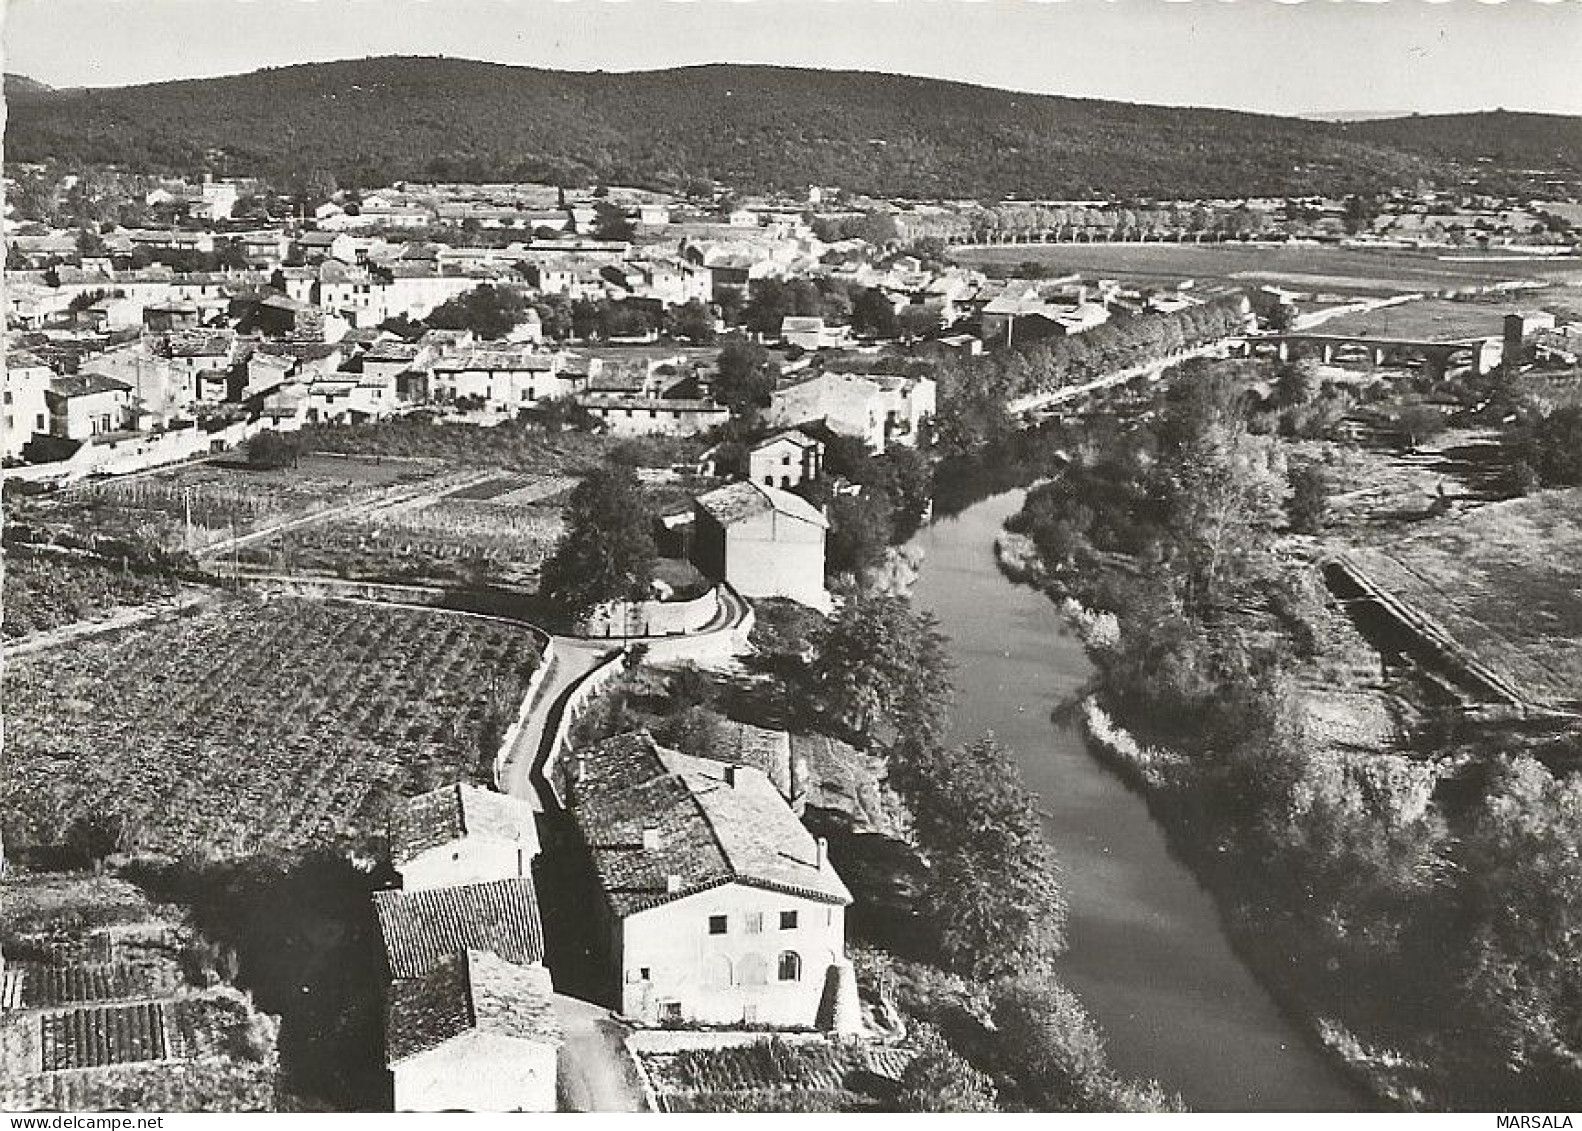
<point x="259" y="723"/>
<point x="50" y="591"/>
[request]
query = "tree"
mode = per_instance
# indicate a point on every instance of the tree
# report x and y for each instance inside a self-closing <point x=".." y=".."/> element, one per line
<point x="881" y="664"/>
<point x="692" y="321"/>
<point x="1417" y="423"/>
<point x="487" y="310"/>
<point x="873" y="314"/>
<point x="1308" y="506"/>
<point x="938" y="1080"/>
<point x="607" y="552"/>
<point x="745" y="376"/>
<point x="991" y="892"/>
<point x="271" y="449"/>
<point x="1050" y="1044"/>
<point x="1551" y="445"/>
<point x="860" y="531"/>
<point x="90" y="242"/>
<point x="610" y="223"/>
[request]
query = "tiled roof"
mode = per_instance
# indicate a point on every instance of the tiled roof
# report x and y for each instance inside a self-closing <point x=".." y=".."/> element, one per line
<point x="795" y="435"/>
<point x="661" y="825"/>
<point x="85" y="384"/>
<point x="473" y="990"/>
<point x="456" y="811"/>
<point x="199" y="345"/>
<point x="392" y="351"/>
<point x="498" y="360"/>
<point x="421" y="927"/>
<point x="96" y="1036"/>
<point x="736" y="502"/>
<point x="766" y="750"/>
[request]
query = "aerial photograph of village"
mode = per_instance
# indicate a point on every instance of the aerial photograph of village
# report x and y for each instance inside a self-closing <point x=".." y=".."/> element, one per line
<point x="797" y="556"/>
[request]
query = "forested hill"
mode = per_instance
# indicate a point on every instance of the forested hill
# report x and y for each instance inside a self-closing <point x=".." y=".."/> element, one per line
<point x="1506" y="139"/>
<point x="372" y="121"/>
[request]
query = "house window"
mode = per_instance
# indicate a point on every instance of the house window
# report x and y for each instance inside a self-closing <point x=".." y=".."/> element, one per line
<point x="8" y="396"/>
<point x="644" y="974"/>
<point x="670" y="1012"/>
<point x="788" y="920"/>
<point x="790" y="966"/>
<point x="750" y="1014"/>
<point x="755" y="922"/>
<point x="718" y="924"/>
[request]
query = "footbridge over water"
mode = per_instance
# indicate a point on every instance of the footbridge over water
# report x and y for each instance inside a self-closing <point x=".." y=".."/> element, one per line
<point x="1478" y="354"/>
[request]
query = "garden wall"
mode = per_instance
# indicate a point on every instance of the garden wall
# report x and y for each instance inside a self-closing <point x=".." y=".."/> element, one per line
<point x="653" y="618"/>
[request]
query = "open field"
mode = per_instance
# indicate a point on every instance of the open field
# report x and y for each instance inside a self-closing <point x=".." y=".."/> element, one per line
<point x="257" y="724"/>
<point x="1505" y="580"/>
<point x="1344" y="270"/>
<point x="192" y="506"/>
<point x="1432" y="320"/>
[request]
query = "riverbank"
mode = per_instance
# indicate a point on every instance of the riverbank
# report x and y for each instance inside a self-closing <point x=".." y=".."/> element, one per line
<point x="1148" y="953"/>
<point x="1150" y="771"/>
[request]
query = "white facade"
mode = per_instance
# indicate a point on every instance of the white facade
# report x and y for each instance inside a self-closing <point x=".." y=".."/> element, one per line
<point x="26" y="408"/>
<point x="726" y="956"/>
<point x="469" y="860"/>
<point x="478" y="1072"/>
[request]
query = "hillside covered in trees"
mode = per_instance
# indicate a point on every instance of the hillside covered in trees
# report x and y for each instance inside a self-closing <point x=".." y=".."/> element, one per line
<point x="373" y="121"/>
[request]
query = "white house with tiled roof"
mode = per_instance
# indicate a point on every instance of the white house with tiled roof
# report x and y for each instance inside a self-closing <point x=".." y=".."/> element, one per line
<point x="461" y="834"/>
<point x="474" y="1033"/>
<point x="763" y="541"/>
<point x="719" y="906"/>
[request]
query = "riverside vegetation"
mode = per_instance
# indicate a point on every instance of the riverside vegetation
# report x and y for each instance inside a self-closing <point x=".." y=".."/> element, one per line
<point x="1422" y="906"/>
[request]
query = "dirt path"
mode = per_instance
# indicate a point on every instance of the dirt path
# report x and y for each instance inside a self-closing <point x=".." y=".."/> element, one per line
<point x="596" y="1071"/>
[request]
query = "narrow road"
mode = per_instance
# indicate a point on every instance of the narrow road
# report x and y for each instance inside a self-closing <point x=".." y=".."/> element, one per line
<point x="569" y="660"/>
<point x="596" y="1071"/>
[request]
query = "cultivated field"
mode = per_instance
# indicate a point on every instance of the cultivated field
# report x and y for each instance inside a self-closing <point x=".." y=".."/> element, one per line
<point x="258" y="724"/>
<point x="771" y="1075"/>
<point x="190" y="507"/>
<point x="45" y="592"/>
<point x="496" y="532"/>
<point x="1345" y="270"/>
<point x="1505" y="580"/>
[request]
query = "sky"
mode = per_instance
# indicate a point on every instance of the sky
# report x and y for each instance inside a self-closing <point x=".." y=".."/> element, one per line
<point x="1313" y="56"/>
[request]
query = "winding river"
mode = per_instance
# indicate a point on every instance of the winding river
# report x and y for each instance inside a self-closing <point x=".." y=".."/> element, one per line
<point x="1148" y="954"/>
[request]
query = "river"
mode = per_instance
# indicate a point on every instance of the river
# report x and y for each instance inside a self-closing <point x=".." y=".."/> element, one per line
<point x="1148" y="954"/>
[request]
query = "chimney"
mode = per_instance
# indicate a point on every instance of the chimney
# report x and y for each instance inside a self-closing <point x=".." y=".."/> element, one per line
<point x="730" y="774"/>
<point x="652" y="840"/>
<point x="823" y="853"/>
<point x="672" y="883"/>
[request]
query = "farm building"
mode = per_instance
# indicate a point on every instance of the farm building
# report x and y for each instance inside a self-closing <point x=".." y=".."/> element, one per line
<point x="785" y="459"/>
<point x="422" y="927"/>
<point x="475" y="1033"/>
<point x="461" y="834"/>
<point x="717" y="904"/>
<point x="763" y="541"/>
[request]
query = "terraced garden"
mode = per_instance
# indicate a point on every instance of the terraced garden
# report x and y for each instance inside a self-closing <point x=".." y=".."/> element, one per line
<point x="258" y="724"/>
<point x="775" y="1075"/>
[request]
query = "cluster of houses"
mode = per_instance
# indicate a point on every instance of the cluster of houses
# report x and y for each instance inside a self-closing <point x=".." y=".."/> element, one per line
<point x="711" y="902"/>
